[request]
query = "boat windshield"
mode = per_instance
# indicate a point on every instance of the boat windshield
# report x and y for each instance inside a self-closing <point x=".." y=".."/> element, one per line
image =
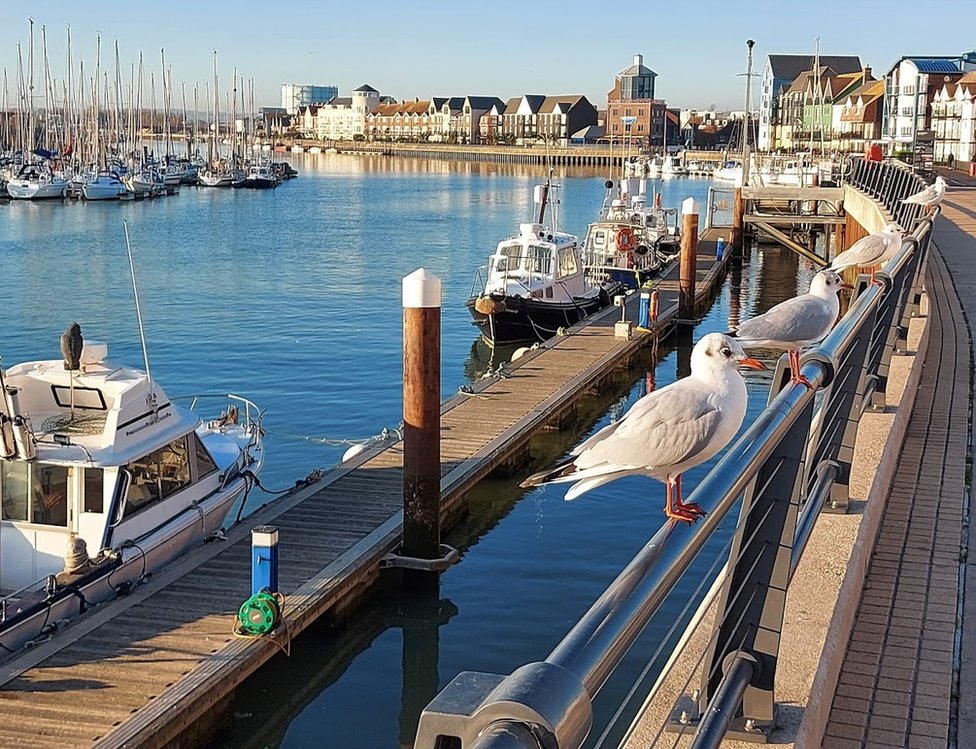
<point x="567" y="262"/>
<point x="508" y="257"/>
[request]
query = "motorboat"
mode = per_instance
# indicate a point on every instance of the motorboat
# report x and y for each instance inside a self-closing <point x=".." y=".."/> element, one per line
<point x="672" y="166"/>
<point x="104" y="480"/>
<point x="536" y="283"/>
<point x="729" y="171"/>
<point x="259" y="177"/>
<point x="632" y="240"/>
<point x="36" y="181"/>
<point x="104" y="185"/>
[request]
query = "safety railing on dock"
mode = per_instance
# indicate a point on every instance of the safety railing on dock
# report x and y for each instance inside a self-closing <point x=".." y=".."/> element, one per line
<point x="792" y="462"/>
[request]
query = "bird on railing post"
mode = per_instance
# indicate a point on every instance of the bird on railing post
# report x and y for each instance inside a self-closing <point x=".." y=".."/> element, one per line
<point x="72" y="344"/>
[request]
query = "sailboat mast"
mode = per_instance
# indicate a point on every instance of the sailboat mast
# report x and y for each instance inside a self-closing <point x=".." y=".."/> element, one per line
<point x="745" y="132"/>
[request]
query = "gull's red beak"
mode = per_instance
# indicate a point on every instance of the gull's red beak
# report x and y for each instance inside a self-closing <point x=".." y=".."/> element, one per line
<point x="751" y="363"/>
<point x="846" y="285"/>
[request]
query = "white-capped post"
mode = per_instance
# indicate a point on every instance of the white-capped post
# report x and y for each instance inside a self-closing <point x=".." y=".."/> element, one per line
<point x="421" y="415"/>
<point x="689" y="259"/>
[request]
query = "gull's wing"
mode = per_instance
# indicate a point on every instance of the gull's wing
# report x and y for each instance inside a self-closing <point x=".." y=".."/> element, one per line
<point x="664" y="428"/>
<point x="800" y="319"/>
<point x="865" y="251"/>
<point x="923" y="196"/>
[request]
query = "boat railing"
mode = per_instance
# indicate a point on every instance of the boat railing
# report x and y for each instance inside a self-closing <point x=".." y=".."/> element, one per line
<point x="792" y="463"/>
<point x="235" y="409"/>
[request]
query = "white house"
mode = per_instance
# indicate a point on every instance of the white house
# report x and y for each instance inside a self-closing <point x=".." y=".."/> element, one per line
<point x="345" y="117"/>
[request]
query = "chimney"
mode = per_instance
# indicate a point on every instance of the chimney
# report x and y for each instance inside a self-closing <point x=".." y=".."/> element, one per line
<point x="638" y="59"/>
<point x="867" y="73"/>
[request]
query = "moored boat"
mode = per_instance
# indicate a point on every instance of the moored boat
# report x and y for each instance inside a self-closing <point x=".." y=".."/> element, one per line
<point x="535" y="284"/>
<point x="631" y="240"/>
<point x="98" y="458"/>
<point x="37" y="182"/>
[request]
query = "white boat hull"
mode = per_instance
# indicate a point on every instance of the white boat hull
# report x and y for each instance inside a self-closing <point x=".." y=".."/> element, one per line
<point x="102" y="190"/>
<point x="31" y="190"/>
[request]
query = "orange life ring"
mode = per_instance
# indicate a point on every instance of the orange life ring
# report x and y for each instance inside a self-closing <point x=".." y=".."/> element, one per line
<point x="625" y="239"/>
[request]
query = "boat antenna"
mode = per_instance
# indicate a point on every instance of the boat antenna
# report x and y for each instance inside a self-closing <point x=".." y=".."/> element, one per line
<point x="135" y="294"/>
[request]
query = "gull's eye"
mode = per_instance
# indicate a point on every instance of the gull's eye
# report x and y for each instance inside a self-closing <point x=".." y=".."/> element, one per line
<point x="726" y="351"/>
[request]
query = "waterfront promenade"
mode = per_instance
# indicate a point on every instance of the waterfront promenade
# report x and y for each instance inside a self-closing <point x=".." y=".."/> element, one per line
<point x="916" y="621"/>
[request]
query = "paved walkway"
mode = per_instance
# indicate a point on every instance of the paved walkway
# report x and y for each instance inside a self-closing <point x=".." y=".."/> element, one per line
<point x="898" y="687"/>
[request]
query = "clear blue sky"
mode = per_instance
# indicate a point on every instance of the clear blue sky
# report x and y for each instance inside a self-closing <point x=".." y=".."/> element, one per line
<point x="497" y="47"/>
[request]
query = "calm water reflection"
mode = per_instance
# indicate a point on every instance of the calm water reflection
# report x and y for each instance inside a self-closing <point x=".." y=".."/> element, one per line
<point x="292" y="297"/>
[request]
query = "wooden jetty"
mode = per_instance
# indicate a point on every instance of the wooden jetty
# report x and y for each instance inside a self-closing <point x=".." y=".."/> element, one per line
<point x="159" y="667"/>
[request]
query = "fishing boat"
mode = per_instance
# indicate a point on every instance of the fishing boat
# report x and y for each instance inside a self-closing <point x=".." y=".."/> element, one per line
<point x="104" y="480"/>
<point x="535" y="283"/>
<point x="632" y="240"/>
<point x="259" y="176"/>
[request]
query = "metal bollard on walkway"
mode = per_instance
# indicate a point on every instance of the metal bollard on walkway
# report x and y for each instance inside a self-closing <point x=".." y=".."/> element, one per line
<point x="264" y="559"/>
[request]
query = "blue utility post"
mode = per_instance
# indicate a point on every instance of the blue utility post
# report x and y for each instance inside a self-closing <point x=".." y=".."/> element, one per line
<point x="719" y="249"/>
<point x="264" y="559"/>
<point x="644" y="316"/>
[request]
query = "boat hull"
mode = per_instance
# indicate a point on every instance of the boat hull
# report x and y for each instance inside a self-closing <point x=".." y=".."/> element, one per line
<point x="29" y="190"/>
<point x="522" y="320"/>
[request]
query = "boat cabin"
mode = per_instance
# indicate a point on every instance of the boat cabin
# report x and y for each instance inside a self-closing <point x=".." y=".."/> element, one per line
<point x="101" y="453"/>
<point x="537" y="263"/>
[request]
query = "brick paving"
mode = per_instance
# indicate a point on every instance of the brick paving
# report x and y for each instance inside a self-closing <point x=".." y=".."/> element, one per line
<point x="896" y="687"/>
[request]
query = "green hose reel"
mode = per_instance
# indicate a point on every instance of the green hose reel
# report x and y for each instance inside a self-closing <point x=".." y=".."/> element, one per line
<point x="259" y="614"/>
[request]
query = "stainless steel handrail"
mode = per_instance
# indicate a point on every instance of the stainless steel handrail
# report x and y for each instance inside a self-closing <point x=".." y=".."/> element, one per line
<point x="548" y="703"/>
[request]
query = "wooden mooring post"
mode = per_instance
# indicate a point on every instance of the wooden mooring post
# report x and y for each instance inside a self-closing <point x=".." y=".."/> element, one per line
<point x="738" y="221"/>
<point x="421" y="423"/>
<point x="689" y="260"/>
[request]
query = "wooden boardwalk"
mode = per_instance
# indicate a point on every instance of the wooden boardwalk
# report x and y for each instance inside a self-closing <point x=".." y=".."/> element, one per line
<point x="150" y="669"/>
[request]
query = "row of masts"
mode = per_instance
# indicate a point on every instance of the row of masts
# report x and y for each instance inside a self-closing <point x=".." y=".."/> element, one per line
<point x="101" y="120"/>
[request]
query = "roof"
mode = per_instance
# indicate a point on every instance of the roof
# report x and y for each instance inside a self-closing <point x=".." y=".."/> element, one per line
<point x="567" y="102"/>
<point x="486" y="102"/>
<point x="790" y="66"/>
<point x="934" y="65"/>
<point x="869" y="91"/>
<point x="366" y="88"/>
<point x="512" y="105"/>
<point x="635" y="70"/>
<point x="590" y="132"/>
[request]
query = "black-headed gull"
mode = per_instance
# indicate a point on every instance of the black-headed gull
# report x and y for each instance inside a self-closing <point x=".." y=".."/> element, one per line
<point x="797" y="322"/>
<point x="930" y="196"/>
<point x="667" y="431"/>
<point x="872" y="250"/>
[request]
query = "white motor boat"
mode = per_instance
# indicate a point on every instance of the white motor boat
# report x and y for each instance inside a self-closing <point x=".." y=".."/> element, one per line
<point x="536" y="283"/>
<point x="104" y="479"/>
<point x="105" y="185"/>
<point x="36" y="182"/>
<point x="259" y="177"/>
<point x="631" y="240"/>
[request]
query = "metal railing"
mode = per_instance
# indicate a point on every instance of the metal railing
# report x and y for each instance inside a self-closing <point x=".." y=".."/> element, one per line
<point x="791" y="463"/>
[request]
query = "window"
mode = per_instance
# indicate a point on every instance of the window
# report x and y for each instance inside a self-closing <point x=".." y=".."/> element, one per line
<point x="567" y="262"/>
<point x="537" y="260"/>
<point x="157" y="476"/>
<point x="50" y="494"/>
<point x="94" y="490"/>
<point x="13" y="489"/>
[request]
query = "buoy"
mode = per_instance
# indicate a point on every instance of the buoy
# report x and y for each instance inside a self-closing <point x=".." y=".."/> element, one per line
<point x="353" y="451"/>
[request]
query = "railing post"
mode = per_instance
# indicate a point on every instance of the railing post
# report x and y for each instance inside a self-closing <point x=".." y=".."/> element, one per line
<point x="689" y="259"/>
<point x="749" y="614"/>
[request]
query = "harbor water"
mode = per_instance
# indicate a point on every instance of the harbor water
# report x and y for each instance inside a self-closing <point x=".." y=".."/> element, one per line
<point x="292" y="297"/>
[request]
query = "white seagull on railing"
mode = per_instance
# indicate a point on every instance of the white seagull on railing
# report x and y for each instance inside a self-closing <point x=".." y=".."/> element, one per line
<point x="797" y="322"/>
<point x="667" y="431"/>
<point x="930" y="196"/>
<point x="871" y="251"/>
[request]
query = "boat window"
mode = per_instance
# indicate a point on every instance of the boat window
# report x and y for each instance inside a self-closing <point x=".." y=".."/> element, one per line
<point x="157" y="476"/>
<point x="567" y="262"/>
<point x="50" y="495"/>
<point x="599" y="238"/>
<point x="512" y="254"/>
<point x="205" y="464"/>
<point x="94" y="490"/>
<point x="13" y="489"/>
<point x="78" y="397"/>
<point x="537" y="260"/>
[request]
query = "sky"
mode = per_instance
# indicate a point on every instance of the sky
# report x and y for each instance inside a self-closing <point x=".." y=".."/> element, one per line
<point x="498" y="48"/>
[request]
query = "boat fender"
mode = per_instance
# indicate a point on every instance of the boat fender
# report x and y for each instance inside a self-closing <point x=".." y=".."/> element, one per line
<point x="23" y="439"/>
<point x="488" y="306"/>
<point x="608" y="184"/>
<point x="641" y="249"/>
<point x="657" y="200"/>
<point x="625" y="239"/>
<point x="8" y="448"/>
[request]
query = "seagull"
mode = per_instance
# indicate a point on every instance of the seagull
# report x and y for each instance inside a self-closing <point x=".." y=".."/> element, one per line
<point x="797" y="322"/>
<point x="872" y="250"/>
<point x="667" y="431"/>
<point x="71" y="347"/>
<point x="930" y="196"/>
